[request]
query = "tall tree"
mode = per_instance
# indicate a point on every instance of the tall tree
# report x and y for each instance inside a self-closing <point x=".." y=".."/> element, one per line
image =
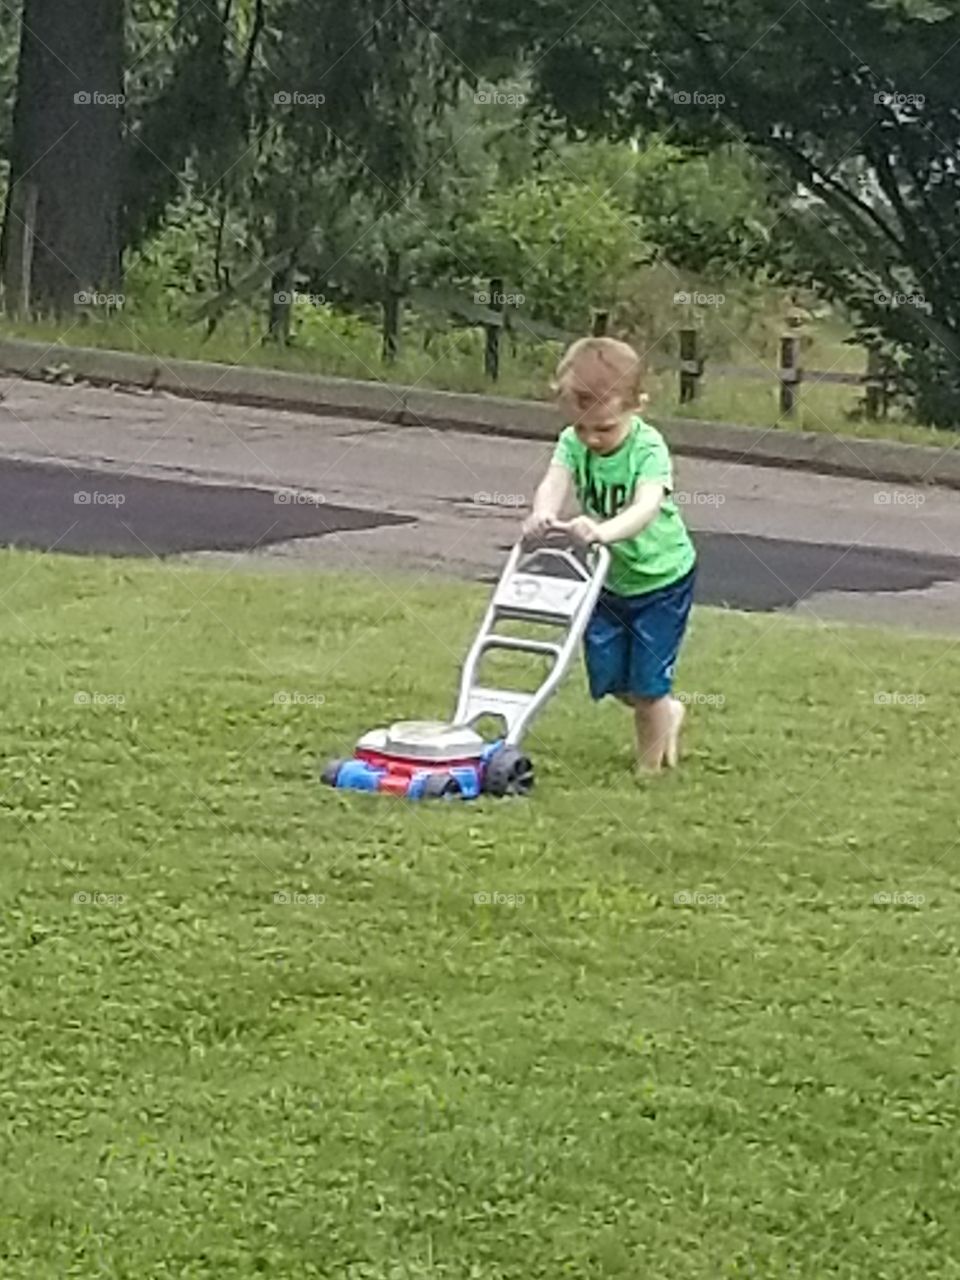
<point x="346" y="99"/>
<point x="852" y="106"/>
<point x="60" y="233"/>
<point x="189" y="119"/>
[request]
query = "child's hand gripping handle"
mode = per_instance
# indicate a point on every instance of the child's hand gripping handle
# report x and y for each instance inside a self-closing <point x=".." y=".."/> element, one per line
<point x="582" y="530"/>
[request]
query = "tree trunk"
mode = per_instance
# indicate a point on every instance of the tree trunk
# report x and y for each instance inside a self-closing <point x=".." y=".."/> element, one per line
<point x="66" y="146"/>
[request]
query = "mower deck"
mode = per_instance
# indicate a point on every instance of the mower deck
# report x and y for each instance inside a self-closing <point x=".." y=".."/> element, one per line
<point x="369" y="770"/>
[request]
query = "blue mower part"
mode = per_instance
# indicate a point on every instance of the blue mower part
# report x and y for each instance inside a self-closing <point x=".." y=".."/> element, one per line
<point x="360" y="775"/>
<point x="357" y="775"/>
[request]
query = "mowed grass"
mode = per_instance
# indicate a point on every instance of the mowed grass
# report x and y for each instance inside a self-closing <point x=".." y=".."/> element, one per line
<point x="700" y="1046"/>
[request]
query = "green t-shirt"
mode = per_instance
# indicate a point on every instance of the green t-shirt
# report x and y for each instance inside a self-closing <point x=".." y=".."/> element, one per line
<point x="661" y="553"/>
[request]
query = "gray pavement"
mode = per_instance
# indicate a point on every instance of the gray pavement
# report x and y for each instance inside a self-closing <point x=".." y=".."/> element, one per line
<point x="830" y="547"/>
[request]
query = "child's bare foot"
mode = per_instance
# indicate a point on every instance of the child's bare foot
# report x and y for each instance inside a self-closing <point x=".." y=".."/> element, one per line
<point x="672" y="753"/>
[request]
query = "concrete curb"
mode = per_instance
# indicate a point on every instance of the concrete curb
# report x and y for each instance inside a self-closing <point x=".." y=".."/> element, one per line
<point x="878" y="460"/>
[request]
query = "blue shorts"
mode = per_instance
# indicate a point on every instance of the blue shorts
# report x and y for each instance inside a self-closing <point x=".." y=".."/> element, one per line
<point x="631" y="642"/>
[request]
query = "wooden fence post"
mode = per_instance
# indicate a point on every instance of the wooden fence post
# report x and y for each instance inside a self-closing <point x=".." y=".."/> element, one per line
<point x="600" y="321"/>
<point x="392" y="304"/>
<point x="790" y="373"/>
<point x="691" y="367"/>
<point x="877" y="387"/>
<point x="492" y="352"/>
<point x="281" y="303"/>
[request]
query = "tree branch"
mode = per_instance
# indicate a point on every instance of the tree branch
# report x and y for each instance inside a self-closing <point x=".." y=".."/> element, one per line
<point x="839" y="197"/>
<point x="255" y="30"/>
<point x="919" y="244"/>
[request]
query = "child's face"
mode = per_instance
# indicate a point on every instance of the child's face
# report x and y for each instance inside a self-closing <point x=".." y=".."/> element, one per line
<point x="594" y="402"/>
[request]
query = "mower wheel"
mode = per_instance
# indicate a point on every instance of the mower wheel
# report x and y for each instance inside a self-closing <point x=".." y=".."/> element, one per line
<point x="441" y="786"/>
<point x="508" y="773"/>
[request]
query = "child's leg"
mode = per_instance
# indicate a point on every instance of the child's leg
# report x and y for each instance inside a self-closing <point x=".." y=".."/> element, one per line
<point x="658" y="722"/>
<point x="658" y="625"/>
<point x="632" y="645"/>
<point x="672" y="757"/>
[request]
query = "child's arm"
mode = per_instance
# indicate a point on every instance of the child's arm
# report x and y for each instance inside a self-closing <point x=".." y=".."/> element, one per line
<point x="552" y="493"/>
<point x="647" y="498"/>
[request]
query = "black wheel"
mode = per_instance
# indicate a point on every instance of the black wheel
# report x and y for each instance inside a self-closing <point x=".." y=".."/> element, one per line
<point x="331" y="771"/>
<point x="441" y="786"/>
<point x="508" y="773"/>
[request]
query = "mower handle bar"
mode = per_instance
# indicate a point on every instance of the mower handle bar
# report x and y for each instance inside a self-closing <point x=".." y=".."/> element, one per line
<point x="515" y="708"/>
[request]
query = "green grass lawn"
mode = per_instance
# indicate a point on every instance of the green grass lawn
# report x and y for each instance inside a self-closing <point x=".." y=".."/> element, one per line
<point x="701" y="1046"/>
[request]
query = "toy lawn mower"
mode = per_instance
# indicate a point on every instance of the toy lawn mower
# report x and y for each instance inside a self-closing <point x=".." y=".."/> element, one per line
<point x="544" y="582"/>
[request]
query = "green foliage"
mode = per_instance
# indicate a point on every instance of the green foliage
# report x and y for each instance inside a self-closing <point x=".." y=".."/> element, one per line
<point x="703" y="210"/>
<point x="552" y="240"/>
<point x="610" y="162"/>
<point x="170" y="273"/>
<point x="9" y="49"/>
<point x="854" y="104"/>
<point x="293" y="150"/>
<point x="188" y="82"/>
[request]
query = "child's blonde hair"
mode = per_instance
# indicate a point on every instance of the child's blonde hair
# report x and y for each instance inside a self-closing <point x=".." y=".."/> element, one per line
<point x="617" y="358"/>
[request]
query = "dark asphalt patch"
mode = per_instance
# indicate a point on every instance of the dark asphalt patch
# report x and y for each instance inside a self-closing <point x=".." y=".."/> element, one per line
<point x="85" y="512"/>
<point x="761" y="575"/>
<point x="95" y="513"/>
<point x="764" y="574"/>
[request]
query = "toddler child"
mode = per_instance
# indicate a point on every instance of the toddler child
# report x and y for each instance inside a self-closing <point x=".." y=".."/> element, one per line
<point x="620" y="470"/>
